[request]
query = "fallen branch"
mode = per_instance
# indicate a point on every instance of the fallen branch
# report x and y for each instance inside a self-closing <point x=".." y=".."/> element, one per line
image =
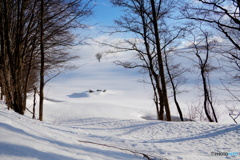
<point x="134" y="152"/>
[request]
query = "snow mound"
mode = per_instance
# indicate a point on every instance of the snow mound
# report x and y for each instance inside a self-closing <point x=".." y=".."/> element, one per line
<point x="89" y="93"/>
<point x="79" y="95"/>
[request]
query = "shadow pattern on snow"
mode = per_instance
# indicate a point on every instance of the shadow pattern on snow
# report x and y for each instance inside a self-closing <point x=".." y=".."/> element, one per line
<point x="206" y="134"/>
<point x="130" y="127"/>
<point x="53" y="100"/>
<point x="9" y="149"/>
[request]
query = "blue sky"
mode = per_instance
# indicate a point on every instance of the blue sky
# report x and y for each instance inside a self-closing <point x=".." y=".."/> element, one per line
<point x="104" y="13"/>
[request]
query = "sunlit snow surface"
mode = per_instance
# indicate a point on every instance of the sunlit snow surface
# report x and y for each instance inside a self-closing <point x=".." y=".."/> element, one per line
<point x="78" y="123"/>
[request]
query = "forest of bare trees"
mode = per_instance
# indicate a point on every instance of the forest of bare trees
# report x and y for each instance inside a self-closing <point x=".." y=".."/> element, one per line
<point x="158" y="30"/>
<point x="34" y="38"/>
<point x="35" y="35"/>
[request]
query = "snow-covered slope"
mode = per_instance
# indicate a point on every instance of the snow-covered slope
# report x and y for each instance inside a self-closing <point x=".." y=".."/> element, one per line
<point x="84" y="138"/>
<point x="116" y="93"/>
<point x="108" y="124"/>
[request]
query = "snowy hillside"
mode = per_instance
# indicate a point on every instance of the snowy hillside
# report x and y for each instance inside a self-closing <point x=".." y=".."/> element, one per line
<point x="108" y="123"/>
<point x="83" y="138"/>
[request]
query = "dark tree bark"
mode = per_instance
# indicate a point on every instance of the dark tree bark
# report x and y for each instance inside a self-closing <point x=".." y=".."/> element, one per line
<point x="160" y="62"/>
<point x="34" y="102"/>
<point x="154" y="77"/>
<point x="42" y="69"/>
<point x="14" y="55"/>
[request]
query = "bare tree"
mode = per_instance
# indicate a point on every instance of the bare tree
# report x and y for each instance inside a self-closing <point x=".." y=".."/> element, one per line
<point x="202" y="46"/>
<point x="99" y="56"/>
<point x="224" y="17"/>
<point x="57" y="18"/>
<point x="175" y="79"/>
<point x="174" y="71"/>
<point x="145" y="19"/>
<point x="160" y="59"/>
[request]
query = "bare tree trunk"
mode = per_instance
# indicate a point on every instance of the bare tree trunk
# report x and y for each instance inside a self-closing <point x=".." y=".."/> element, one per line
<point x="156" y="97"/>
<point x="153" y="75"/>
<point x="12" y="54"/>
<point x="174" y="90"/>
<point x="42" y="63"/>
<point x="1" y="56"/>
<point x="207" y="100"/>
<point x="205" y="96"/>
<point x="11" y="100"/>
<point x="7" y="41"/>
<point x="206" y="68"/>
<point x="34" y="101"/>
<point x="19" y="58"/>
<point x="160" y="63"/>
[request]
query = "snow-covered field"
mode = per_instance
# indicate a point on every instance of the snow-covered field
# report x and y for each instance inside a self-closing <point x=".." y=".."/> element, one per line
<point x="114" y="123"/>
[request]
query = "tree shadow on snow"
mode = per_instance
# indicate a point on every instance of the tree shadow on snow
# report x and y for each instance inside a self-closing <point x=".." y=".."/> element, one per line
<point x="53" y="100"/>
<point x="205" y="134"/>
<point x="9" y="149"/>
